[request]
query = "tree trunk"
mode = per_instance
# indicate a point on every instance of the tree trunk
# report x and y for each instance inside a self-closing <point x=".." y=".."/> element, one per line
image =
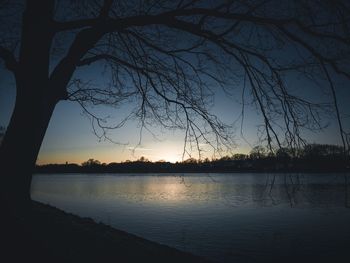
<point x="35" y="102"/>
<point x="20" y="147"/>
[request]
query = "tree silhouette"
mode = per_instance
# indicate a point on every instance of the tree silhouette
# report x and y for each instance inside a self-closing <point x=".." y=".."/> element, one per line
<point x="166" y="57"/>
<point x="91" y="162"/>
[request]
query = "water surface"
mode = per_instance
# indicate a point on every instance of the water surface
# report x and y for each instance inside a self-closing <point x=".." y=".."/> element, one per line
<point x="226" y="217"/>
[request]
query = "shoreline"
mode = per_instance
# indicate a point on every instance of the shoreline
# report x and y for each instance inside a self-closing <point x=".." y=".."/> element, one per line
<point x="192" y="172"/>
<point x="48" y="234"/>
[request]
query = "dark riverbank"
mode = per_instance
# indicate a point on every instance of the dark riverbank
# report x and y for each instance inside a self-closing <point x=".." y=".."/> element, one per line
<point x="47" y="234"/>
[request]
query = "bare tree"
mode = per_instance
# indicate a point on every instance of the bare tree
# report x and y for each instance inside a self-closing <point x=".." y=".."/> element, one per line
<point x="168" y="58"/>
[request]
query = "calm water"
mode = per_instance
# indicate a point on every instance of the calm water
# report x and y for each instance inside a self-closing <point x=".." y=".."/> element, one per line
<point x="225" y="217"/>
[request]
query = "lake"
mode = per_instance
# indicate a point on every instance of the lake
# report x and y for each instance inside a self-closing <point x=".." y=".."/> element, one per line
<point x="240" y="217"/>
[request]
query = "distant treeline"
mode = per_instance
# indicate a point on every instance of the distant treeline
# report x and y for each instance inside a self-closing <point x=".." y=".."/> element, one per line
<point x="312" y="158"/>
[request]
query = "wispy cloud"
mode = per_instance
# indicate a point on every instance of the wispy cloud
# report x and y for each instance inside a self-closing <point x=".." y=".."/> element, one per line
<point x="138" y="148"/>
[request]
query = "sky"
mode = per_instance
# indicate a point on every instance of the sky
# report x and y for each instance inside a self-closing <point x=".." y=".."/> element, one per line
<point x="70" y="137"/>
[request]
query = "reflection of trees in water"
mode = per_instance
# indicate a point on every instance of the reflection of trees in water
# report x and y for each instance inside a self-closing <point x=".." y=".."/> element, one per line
<point x="301" y="189"/>
<point x="346" y="183"/>
<point x="295" y="189"/>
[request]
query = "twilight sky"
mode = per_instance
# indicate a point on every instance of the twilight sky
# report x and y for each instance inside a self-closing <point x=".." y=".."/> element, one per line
<point x="70" y="136"/>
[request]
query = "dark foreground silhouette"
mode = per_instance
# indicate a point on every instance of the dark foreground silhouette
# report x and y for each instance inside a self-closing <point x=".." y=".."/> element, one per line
<point x="47" y="234"/>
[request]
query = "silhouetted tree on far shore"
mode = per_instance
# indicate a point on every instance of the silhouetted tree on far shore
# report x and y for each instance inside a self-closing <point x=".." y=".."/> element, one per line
<point x="91" y="162"/>
<point x="166" y="58"/>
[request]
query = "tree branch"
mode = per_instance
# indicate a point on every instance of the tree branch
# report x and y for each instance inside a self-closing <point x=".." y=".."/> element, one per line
<point x="117" y="24"/>
<point x="9" y="59"/>
<point x="105" y="9"/>
<point x="61" y="75"/>
<point x="74" y="24"/>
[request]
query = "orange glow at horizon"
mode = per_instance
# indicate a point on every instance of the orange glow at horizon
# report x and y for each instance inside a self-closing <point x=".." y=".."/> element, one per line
<point x="105" y="152"/>
<point x="170" y="152"/>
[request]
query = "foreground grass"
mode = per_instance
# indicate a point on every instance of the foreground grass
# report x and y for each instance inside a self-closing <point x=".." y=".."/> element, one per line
<point x="47" y="234"/>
